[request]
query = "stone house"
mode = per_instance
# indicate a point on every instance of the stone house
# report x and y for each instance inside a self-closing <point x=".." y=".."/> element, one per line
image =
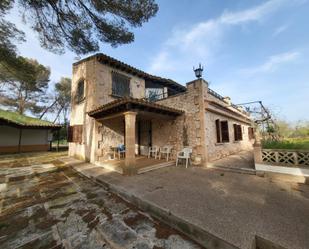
<point x="114" y="103"/>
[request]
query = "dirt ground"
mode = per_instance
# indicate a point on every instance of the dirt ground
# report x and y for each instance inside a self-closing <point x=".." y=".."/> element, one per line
<point x="45" y="204"/>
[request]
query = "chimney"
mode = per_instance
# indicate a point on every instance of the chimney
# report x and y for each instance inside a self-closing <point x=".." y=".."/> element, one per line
<point x="227" y="100"/>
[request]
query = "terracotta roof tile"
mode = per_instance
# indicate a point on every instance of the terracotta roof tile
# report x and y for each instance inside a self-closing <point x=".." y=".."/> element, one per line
<point x="126" y="67"/>
<point x="137" y="103"/>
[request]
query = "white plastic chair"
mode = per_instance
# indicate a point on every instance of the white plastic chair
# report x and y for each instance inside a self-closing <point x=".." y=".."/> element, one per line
<point x="184" y="154"/>
<point x="153" y="151"/>
<point x="167" y="149"/>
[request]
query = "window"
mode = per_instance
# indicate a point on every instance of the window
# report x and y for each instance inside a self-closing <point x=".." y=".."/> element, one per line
<point x="250" y="133"/>
<point x="153" y="94"/>
<point x="80" y="93"/>
<point x="75" y="134"/>
<point x="120" y="85"/>
<point x="222" y="129"/>
<point x="237" y="132"/>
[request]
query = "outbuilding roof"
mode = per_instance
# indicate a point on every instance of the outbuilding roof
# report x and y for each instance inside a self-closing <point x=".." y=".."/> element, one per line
<point x="127" y="104"/>
<point x="16" y="119"/>
<point x="103" y="58"/>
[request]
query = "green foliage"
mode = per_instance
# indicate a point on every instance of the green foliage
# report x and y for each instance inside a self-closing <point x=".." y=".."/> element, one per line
<point x="24" y="89"/>
<point x="63" y="134"/>
<point x="63" y="96"/>
<point x="80" y="24"/>
<point x="302" y="144"/>
<point x="286" y="130"/>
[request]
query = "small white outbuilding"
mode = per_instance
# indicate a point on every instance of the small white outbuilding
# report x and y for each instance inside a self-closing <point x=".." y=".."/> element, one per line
<point x="20" y="133"/>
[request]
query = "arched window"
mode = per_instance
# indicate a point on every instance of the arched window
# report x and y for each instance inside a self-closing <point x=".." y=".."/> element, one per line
<point x="80" y="94"/>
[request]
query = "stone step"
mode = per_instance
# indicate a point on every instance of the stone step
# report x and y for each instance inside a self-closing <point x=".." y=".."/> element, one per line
<point x="110" y="167"/>
<point x="156" y="166"/>
<point x="232" y="169"/>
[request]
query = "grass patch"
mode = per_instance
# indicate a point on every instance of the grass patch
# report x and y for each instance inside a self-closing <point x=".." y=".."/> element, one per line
<point x="20" y="119"/>
<point x="287" y="144"/>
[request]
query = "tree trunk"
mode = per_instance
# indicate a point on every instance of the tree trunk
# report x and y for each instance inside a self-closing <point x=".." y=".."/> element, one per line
<point x="46" y="109"/>
<point x="58" y="114"/>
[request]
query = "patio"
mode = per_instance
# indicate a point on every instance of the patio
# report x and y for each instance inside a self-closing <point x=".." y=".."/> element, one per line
<point x="137" y="126"/>
<point x="142" y="164"/>
<point x="243" y="210"/>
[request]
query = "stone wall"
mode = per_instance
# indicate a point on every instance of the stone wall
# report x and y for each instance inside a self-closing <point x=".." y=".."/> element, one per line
<point x="223" y="110"/>
<point x="219" y="150"/>
<point x="189" y="128"/>
<point x="98" y="91"/>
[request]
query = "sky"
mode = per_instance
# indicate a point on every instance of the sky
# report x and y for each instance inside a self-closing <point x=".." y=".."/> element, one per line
<point x="250" y="50"/>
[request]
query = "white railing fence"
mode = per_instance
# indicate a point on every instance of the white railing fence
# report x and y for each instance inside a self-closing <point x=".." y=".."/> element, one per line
<point x="291" y="158"/>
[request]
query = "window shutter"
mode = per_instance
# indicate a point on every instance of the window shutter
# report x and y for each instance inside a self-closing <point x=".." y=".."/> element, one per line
<point x="80" y="133"/>
<point x="225" y="131"/>
<point x="239" y="133"/>
<point x="77" y="133"/>
<point x="70" y="134"/>
<point x="235" y="132"/>
<point x="250" y="133"/>
<point x="218" y="130"/>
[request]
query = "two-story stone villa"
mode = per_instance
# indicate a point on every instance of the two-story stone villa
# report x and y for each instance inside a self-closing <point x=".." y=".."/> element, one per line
<point x="114" y="103"/>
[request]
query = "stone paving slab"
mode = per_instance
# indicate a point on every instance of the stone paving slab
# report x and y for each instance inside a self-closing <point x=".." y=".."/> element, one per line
<point x="231" y="206"/>
<point x="57" y="209"/>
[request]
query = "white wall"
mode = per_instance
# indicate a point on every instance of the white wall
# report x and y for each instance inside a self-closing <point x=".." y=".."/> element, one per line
<point x="9" y="136"/>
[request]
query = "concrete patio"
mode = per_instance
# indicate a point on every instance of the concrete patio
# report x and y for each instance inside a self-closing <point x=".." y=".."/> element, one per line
<point x="241" y="209"/>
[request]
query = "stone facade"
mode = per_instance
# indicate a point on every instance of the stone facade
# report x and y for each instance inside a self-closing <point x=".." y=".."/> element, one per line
<point x="222" y="109"/>
<point x="188" y="129"/>
<point x="195" y="128"/>
<point x="98" y="91"/>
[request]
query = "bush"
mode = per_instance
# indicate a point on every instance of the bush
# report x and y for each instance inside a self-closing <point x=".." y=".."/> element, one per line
<point x="295" y="144"/>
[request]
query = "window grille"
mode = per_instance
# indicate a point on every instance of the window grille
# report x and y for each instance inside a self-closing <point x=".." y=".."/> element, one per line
<point x="80" y="94"/>
<point x="120" y="85"/>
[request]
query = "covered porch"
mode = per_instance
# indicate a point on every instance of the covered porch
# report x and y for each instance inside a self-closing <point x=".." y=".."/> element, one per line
<point x="130" y="122"/>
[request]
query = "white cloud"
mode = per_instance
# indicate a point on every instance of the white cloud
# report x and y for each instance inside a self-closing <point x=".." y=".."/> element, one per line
<point x="280" y="29"/>
<point x="199" y="42"/>
<point x="272" y="63"/>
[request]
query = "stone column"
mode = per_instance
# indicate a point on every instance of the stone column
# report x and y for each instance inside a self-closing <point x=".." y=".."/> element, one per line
<point x="130" y="118"/>
<point x="257" y="148"/>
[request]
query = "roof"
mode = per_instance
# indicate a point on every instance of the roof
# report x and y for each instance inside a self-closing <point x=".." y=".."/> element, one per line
<point x="126" y="104"/>
<point x="103" y="58"/>
<point x="16" y="119"/>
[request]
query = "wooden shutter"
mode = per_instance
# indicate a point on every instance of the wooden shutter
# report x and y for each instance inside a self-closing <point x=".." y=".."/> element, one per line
<point x="225" y="131"/>
<point x="235" y="132"/>
<point x="250" y="133"/>
<point x="70" y="134"/>
<point x="77" y="133"/>
<point x="239" y="132"/>
<point x="218" y="130"/>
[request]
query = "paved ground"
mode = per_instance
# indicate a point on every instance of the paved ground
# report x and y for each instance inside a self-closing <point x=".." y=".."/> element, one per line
<point x="44" y="204"/>
<point x="241" y="160"/>
<point x="234" y="207"/>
